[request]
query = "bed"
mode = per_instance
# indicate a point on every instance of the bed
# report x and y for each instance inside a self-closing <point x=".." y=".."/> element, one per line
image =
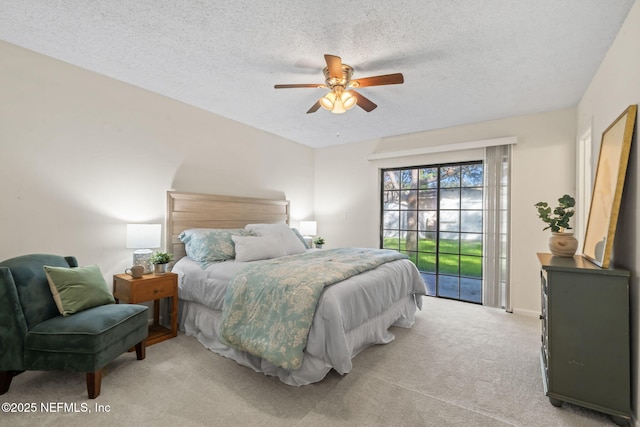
<point x="351" y="314"/>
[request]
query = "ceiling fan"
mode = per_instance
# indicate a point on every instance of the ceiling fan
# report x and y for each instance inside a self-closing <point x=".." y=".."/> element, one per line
<point x="338" y="80"/>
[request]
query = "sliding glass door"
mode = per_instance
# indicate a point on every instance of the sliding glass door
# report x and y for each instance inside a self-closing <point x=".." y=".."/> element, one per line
<point x="434" y="215"/>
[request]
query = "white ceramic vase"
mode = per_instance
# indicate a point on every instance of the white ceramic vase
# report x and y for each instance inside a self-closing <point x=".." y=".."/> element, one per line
<point x="563" y="244"/>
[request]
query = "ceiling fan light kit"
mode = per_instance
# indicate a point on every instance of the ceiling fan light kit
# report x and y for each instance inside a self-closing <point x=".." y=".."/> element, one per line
<point x="337" y="79"/>
<point x="338" y="101"/>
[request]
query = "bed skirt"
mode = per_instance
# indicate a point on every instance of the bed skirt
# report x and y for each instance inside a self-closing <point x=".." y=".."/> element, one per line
<point x="204" y="324"/>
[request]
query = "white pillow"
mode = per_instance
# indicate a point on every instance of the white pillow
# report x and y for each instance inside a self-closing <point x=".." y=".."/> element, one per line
<point x="251" y="248"/>
<point x="292" y="245"/>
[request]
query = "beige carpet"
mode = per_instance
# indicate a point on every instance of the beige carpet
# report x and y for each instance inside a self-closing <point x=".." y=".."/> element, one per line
<point x="461" y="365"/>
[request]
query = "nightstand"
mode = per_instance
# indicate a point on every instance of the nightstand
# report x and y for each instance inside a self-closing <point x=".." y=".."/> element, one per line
<point x="150" y="287"/>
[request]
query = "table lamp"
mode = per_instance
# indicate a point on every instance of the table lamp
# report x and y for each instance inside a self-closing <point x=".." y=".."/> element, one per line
<point x="308" y="229"/>
<point x="143" y="237"/>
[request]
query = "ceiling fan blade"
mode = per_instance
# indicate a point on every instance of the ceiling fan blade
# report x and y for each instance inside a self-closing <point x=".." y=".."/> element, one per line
<point x="387" y="79"/>
<point x="363" y="102"/>
<point x="317" y="85"/>
<point x="314" y="108"/>
<point x="334" y="63"/>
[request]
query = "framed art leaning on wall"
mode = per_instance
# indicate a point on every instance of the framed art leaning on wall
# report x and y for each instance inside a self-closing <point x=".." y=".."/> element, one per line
<point x="607" y="188"/>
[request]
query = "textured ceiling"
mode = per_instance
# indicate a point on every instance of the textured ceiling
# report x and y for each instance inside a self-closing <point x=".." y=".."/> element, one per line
<point x="463" y="61"/>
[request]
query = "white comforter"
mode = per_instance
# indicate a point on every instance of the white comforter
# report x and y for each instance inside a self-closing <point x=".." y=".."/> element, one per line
<point x="350" y="316"/>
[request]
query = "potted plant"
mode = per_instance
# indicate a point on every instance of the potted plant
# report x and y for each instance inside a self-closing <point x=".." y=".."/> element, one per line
<point x="319" y="241"/>
<point x="160" y="261"/>
<point x="561" y="242"/>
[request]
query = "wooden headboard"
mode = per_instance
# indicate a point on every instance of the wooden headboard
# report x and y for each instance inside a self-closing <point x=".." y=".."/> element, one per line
<point x="193" y="210"/>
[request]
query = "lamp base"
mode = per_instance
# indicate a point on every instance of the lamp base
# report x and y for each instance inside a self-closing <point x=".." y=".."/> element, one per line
<point x="308" y="240"/>
<point x="143" y="257"/>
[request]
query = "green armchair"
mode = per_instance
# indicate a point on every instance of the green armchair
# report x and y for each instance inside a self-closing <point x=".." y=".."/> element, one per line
<point x="35" y="336"/>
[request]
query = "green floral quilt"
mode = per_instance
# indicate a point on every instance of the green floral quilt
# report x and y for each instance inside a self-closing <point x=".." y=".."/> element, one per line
<point x="269" y="306"/>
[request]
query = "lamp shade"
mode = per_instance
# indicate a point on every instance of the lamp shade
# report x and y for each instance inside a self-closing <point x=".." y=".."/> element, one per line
<point x="143" y="236"/>
<point x="308" y="228"/>
<point x="327" y="101"/>
<point x="349" y="99"/>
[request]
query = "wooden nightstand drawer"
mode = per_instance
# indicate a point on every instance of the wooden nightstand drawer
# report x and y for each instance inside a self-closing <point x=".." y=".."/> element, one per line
<point x="153" y="290"/>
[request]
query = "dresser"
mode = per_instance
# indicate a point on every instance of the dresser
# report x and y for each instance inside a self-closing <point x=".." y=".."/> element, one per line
<point x="585" y="353"/>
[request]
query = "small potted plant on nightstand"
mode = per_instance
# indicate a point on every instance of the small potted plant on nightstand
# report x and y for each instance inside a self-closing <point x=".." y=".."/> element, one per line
<point x="160" y="260"/>
<point x="561" y="243"/>
<point x="319" y="242"/>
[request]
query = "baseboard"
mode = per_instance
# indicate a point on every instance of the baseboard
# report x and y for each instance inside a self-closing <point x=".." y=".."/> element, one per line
<point x="528" y="313"/>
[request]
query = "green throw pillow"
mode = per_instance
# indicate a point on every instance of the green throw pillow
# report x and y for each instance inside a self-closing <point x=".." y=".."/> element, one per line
<point x="77" y="289"/>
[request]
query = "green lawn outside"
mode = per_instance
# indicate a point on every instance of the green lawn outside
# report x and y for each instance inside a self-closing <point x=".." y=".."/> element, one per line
<point x="463" y="258"/>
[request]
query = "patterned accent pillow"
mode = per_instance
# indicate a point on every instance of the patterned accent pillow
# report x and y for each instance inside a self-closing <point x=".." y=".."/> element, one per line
<point x="208" y="245"/>
<point x="299" y="236"/>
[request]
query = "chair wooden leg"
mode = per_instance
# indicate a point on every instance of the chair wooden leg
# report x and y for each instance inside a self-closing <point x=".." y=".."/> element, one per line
<point x="5" y="381"/>
<point x="141" y="349"/>
<point x="94" y="379"/>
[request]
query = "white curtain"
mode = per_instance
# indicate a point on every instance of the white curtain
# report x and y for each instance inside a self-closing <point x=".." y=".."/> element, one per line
<point x="497" y="227"/>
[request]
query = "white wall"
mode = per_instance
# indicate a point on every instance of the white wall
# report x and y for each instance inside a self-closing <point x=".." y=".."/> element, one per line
<point x="615" y="86"/>
<point x="81" y="155"/>
<point x="347" y="185"/>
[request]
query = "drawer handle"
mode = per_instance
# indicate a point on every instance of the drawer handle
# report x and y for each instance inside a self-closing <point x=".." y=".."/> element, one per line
<point x="155" y="291"/>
